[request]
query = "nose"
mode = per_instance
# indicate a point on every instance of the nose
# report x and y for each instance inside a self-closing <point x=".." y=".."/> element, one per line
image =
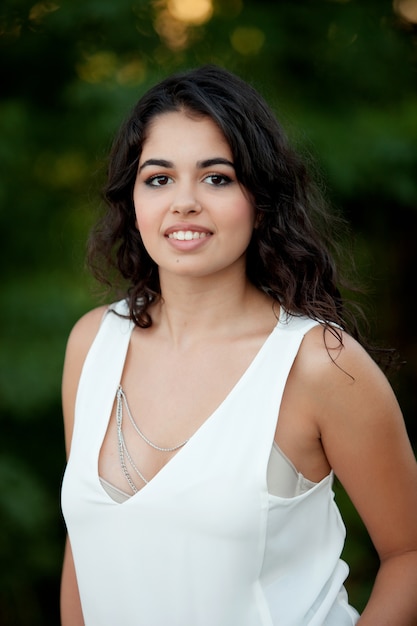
<point x="185" y="201"/>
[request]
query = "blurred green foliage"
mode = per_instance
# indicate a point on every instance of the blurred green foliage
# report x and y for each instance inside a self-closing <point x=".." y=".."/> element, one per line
<point x="342" y="77"/>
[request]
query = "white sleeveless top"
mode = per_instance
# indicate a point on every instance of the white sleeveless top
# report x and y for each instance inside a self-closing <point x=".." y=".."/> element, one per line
<point x="282" y="479"/>
<point x="203" y="543"/>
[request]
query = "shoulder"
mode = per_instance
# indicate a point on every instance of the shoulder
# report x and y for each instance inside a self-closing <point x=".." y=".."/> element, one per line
<point x="87" y="326"/>
<point x="334" y="390"/>
<point x="80" y="339"/>
<point x="351" y="401"/>
<point x="348" y="394"/>
<point x="332" y="352"/>
<point x="79" y="342"/>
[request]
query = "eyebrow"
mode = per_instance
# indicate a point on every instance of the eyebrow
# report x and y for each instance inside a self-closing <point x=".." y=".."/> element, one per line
<point x="200" y="164"/>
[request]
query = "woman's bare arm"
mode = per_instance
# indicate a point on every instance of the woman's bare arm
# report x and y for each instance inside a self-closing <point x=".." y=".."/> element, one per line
<point x="71" y="613"/>
<point x="365" y="440"/>
<point x="79" y="343"/>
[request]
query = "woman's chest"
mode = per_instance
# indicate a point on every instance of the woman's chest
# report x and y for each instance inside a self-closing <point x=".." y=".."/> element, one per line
<point x="166" y="398"/>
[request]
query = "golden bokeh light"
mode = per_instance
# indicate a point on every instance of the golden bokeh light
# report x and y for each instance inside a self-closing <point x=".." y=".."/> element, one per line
<point x="133" y="72"/>
<point x="172" y="32"/>
<point x="195" y="12"/>
<point x="247" y="40"/>
<point x="407" y="9"/>
<point x="41" y="9"/>
<point x="97" y="67"/>
<point x="104" y="66"/>
<point x="177" y="21"/>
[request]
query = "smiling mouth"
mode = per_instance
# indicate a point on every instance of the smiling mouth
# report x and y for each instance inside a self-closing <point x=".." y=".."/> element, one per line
<point x="187" y="235"/>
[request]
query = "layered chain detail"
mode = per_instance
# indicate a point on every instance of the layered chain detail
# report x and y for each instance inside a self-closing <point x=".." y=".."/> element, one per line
<point x="124" y="455"/>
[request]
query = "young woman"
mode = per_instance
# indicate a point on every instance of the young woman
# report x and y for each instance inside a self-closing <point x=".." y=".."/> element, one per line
<point x="207" y="411"/>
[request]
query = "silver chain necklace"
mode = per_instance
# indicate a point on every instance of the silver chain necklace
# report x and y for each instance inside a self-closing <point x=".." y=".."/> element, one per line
<point x="123" y="451"/>
<point x="122" y="396"/>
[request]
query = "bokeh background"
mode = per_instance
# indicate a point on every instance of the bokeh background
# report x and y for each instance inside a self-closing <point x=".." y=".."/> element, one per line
<point x="341" y="75"/>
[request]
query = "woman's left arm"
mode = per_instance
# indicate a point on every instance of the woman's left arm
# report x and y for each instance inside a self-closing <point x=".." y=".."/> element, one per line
<point x="365" y="440"/>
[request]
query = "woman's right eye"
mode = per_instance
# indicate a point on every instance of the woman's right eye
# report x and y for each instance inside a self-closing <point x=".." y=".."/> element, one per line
<point x="159" y="180"/>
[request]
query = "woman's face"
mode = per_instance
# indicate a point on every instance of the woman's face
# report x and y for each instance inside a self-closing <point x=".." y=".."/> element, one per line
<point x="194" y="217"/>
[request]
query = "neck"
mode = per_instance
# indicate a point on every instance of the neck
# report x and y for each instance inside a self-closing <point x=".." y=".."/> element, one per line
<point x="192" y="310"/>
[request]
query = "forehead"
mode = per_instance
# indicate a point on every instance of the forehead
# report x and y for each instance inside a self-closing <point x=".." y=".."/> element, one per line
<point x="181" y="129"/>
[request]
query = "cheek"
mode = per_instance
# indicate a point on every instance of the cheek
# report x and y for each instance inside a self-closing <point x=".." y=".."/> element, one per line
<point x="140" y="203"/>
<point x="142" y="219"/>
<point x="245" y="216"/>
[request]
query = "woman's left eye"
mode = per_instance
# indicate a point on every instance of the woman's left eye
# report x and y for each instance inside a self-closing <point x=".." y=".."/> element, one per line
<point x="217" y="179"/>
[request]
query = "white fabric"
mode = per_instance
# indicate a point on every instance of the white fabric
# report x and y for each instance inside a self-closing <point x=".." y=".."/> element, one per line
<point x="282" y="479"/>
<point x="204" y="543"/>
<point x="114" y="492"/>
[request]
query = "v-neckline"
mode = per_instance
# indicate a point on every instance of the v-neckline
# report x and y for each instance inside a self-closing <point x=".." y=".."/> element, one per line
<point x="203" y="426"/>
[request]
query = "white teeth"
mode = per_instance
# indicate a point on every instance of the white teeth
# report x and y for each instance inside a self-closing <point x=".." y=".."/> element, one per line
<point x="187" y="235"/>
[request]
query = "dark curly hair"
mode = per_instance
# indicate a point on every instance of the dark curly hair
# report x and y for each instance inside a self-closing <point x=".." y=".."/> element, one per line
<point x="292" y="252"/>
